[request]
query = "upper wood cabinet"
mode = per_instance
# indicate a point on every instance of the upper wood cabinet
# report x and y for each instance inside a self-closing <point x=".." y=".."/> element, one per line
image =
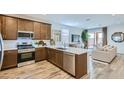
<point x="37" y="31"/>
<point x="45" y="31"/>
<point x="21" y="25"/>
<point x="48" y="35"/>
<point x="25" y="25"/>
<point x="9" y="28"/>
<point x="10" y="59"/>
<point x="29" y="25"/>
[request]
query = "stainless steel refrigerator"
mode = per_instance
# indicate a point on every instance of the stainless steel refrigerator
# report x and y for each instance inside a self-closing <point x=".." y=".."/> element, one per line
<point x="1" y="51"/>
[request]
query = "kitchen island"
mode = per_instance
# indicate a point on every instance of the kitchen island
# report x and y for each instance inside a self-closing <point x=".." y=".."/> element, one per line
<point x="71" y="60"/>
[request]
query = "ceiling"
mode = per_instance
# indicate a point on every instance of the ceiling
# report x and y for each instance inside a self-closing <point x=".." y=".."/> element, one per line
<point x="81" y="20"/>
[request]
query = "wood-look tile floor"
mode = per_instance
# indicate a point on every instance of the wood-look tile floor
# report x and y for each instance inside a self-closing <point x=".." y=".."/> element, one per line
<point x="46" y="70"/>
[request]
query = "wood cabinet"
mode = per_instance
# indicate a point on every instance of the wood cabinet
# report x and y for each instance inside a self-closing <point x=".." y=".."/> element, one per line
<point x="10" y="59"/>
<point x="59" y="58"/>
<point x="80" y="65"/>
<point x="37" y="31"/>
<point x="25" y="25"/>
<point x="45" y="31"/>
<point x="29" y="25"/>
<point x="40" y="54"/>
<point x="55" y="57"/>
<point x="21" y="25"/>
<point x="9" y="28"/>
<point x="74" y="64"/>
<point x="51" y="53"/>
<point x="48" y="35"/>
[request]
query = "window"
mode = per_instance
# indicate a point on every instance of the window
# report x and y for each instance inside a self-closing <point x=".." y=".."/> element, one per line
<point x="65" y="35"/>
<point x="75" y="38"/>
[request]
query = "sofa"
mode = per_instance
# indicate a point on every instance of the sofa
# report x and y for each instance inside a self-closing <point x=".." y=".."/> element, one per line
<point x="105" y="54"/>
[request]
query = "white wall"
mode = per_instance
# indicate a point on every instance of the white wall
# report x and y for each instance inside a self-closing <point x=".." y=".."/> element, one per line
<point x="72" y="30"/>
<point x="111" y="30"/>
<point x="95" y="30"/>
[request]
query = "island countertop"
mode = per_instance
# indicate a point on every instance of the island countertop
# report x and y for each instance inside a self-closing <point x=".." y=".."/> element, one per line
<point x="73" y="50"/>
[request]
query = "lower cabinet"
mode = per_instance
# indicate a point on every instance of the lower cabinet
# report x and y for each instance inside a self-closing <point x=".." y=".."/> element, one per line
<point x="59" y="58"/>
<point x="51" y="55"/>
<point x="74" y="64"/>
<point x="40" y="54"/>
<point x="55" y="57"/>
<point x="10" y="59"/>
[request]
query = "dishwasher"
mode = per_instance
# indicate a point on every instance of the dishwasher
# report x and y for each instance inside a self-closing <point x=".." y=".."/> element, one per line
<point x="69" y="62"/>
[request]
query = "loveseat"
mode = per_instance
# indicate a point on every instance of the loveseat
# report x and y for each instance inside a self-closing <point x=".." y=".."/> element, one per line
<point x="105" y="54"/>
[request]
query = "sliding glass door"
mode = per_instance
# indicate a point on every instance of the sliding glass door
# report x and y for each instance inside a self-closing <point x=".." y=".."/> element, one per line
<point x="95" y="39"/>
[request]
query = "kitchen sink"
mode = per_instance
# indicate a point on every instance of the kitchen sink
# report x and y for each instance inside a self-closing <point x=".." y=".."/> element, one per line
<point x="61" y="48"/>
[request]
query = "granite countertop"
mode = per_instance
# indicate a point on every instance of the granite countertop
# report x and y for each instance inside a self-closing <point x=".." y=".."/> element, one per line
<point x="10" y="48"/>
<point x="68" y="49"/>
<point x="77" y="51"/>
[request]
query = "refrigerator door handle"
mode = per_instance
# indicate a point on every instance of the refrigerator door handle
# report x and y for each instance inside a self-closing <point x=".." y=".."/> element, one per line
<point x="2" y="51"/>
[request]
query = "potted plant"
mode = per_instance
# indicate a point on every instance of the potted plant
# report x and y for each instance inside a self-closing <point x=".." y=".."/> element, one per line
<point x="84" y="37"/>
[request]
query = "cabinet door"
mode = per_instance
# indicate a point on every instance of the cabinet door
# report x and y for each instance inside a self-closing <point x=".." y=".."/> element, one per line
<point x="21" y="25"/>
<point x="37" y="32"/>
<point x="48" y="36"/>
<point x="43" y="31"/>
<point x="10" y="59"/>
<point x="51" y="55"/>
<point x="43" y="53"/>
<point x="59" y="58"/>
<point x="37" y="54"/>
<point x="40" y="54"/>
<point x="25" y="25"/>
<point x="29" y="25"/>
<point x="9" y="28"/>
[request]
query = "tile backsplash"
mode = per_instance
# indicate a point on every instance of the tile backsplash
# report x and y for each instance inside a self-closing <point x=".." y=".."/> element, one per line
<point x="10" y="44"/>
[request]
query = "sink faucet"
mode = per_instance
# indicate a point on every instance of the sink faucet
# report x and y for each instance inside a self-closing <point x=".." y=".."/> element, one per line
<point x="64" y="44"/>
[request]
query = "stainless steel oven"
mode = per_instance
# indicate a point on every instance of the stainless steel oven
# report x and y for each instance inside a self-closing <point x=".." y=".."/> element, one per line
<point x="26" y="55"/>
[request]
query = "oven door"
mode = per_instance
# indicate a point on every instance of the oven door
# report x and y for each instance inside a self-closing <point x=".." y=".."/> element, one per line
<point x="28" y="56"/>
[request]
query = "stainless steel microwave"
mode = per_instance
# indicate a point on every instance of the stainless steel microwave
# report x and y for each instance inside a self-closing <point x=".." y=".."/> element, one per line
<point x="25" y="34"/>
